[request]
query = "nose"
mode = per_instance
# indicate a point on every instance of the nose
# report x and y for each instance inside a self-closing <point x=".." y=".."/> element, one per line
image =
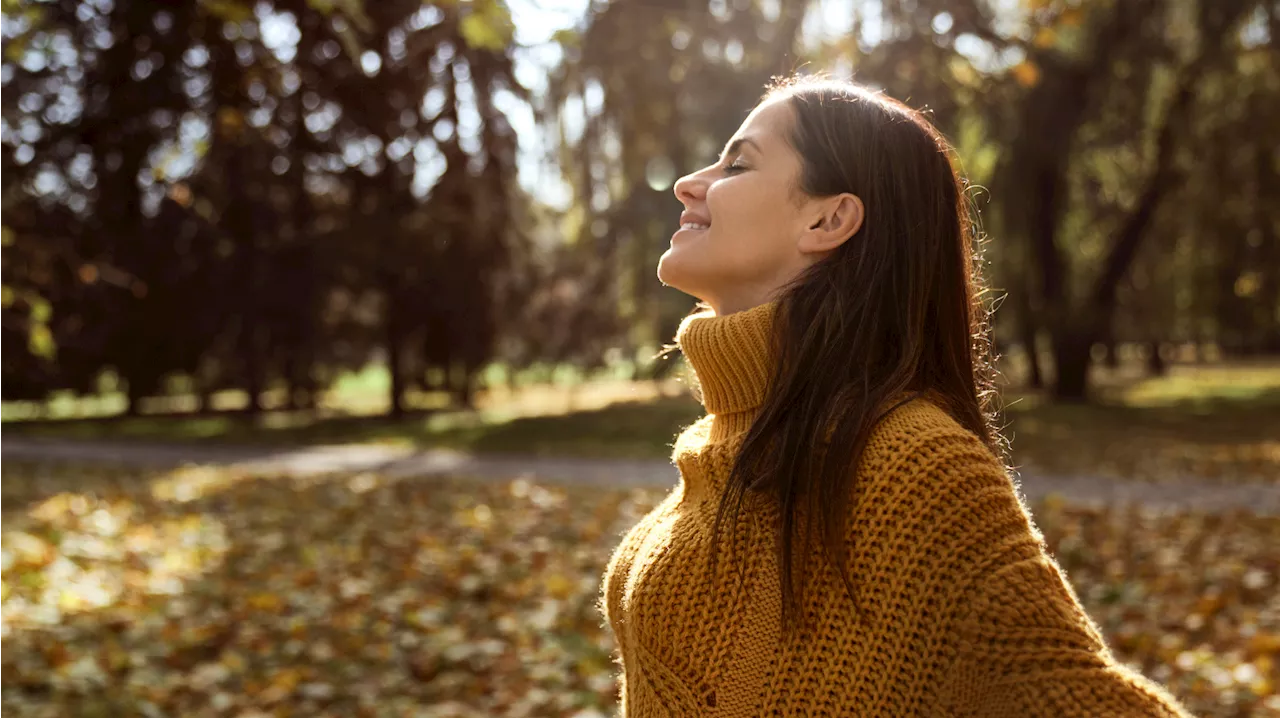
<point x="691" y="188"/>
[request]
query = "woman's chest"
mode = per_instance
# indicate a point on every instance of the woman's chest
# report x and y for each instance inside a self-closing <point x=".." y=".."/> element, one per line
<point x="679" y="615"/>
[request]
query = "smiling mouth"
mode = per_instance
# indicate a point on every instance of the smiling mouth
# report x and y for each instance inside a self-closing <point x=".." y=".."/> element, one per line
<point x="689" y="228"/>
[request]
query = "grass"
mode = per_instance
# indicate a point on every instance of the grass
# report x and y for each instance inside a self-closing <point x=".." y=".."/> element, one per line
<point x="1215" y="422"/>
<point x="609" y="419"/>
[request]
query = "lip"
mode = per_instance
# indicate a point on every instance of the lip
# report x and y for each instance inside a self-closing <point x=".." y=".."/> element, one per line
<point x="682" y="230"/>
<point x="687" y="216"/>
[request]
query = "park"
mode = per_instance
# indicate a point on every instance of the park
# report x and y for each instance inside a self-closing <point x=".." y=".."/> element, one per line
<point x="336" y="365"/>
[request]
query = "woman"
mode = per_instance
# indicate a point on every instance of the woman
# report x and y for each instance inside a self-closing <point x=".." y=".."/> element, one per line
<point x="880" y="560"/>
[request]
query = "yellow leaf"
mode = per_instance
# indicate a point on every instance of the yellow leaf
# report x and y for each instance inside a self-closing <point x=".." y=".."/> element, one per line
<point x="1072" y="17"/>
<point x="287" y="678"/>
<point x="266" y="602"/>
<point x="230" y="122"/>
<point x="1045" y="37"/>
<point x="29" y="549"/>
<point x="69" y="600"/>
<point x="1263" y="644"/>
<point x="559" y="586"/>
<point x="233" y="661"/>
<point x="962" y="70"/>
<point x="1026" y="73"/>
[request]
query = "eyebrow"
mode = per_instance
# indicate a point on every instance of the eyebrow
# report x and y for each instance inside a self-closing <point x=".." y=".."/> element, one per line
<point x="737" y="144"/>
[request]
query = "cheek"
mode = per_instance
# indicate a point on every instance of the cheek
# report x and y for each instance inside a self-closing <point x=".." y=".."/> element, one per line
<point x="746" y="206"/>
<point x="748" y="227"/>
<point x="755" y="252"/>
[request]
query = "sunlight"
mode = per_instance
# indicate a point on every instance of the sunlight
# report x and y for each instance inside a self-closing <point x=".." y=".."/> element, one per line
<point x="194" y="482"/>
<point x="80" y="553"/>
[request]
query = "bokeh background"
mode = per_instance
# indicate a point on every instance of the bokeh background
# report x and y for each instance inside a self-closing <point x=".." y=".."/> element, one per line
<point x="332" y="340"/>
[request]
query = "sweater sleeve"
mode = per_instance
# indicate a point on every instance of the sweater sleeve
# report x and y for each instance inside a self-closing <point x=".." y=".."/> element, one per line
<point x="1025" y="645"/>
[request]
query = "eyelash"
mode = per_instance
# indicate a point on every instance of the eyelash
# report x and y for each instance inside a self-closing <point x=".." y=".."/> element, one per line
<point x="733" y="168"/>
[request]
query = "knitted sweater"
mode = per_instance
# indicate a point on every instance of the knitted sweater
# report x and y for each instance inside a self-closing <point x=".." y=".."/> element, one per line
<point x="965" y="612"/>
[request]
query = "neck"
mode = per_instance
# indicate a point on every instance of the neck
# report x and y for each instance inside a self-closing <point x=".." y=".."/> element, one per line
<point x="730" y="354"/>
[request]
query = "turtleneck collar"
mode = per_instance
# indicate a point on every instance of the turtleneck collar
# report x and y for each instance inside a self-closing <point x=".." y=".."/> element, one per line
<point x="730" y="355"/>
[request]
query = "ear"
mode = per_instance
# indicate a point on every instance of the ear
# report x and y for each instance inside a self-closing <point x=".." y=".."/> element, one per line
<point x="840" y="219"/>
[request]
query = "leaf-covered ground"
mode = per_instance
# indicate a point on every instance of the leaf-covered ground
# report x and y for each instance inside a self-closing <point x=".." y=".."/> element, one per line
<point x="216" y="593"/>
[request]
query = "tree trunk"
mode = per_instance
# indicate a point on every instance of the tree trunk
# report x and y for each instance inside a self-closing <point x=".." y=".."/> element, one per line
<point x="1071" y="355"/>
<point x="204" y="399"/>
<point x="228" y="81"/>
<point x="1156" y="365"/>
<point x="133" y="399"/>
<point x="1027" y="335"/>
<point x="1111" y="355"/>
<point x="464" y="388"/>
<point x="292" y="384"/>
<point x="395" y="341"/>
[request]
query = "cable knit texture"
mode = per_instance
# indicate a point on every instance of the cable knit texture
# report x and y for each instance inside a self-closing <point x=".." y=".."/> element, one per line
<point x="966" y="612"/>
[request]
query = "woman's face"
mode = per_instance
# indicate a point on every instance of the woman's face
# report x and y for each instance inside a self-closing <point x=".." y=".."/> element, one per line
<point x="758" y="235"/>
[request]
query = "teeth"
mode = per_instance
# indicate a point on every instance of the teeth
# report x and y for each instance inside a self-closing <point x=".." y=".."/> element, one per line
<point x="693" y="225"/>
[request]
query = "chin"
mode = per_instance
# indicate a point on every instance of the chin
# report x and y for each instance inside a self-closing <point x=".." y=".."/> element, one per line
<point x="673" y="273"/>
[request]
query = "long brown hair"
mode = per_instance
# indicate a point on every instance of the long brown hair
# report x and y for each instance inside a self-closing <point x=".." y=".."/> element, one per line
<point x="897" y="308"/>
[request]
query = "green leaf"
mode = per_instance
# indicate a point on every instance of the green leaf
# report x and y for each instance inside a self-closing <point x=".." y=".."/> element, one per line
<point x="228" y="10"/>
<point x="15" y="49"/>
<point x="351" y="43"/>
<point x="357" y="19"/>
<point x="17" y="46"/>
<point x="41" y="310"/>
<point x="487" y="27"/>
<point x="567" y="37"/>
<point x="26" y="8"/>
<point x="352" y="10"/>
<point x="40" y="341"/>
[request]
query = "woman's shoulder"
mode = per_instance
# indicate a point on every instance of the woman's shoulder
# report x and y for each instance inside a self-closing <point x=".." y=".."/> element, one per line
<point x="919" y="436"/>
<point x="923" y="463"/>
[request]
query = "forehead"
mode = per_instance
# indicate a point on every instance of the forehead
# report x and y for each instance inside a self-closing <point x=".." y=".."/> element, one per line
<point x="766" y="124"/>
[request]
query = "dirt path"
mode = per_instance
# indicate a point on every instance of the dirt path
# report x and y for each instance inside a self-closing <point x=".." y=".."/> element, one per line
<point x="1261" y="499"/>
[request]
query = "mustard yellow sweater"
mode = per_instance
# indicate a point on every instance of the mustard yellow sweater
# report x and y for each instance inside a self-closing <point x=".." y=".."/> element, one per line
<point x="967" y="614"/>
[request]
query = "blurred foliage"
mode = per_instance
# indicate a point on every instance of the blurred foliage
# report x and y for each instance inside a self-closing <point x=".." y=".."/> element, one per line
<point x="1088" y="131"/>
<point x="228" y="204"/>
<point x="244" y="194"/>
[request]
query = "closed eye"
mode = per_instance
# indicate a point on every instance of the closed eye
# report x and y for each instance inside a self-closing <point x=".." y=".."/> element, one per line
<point x="734" y="168"/>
